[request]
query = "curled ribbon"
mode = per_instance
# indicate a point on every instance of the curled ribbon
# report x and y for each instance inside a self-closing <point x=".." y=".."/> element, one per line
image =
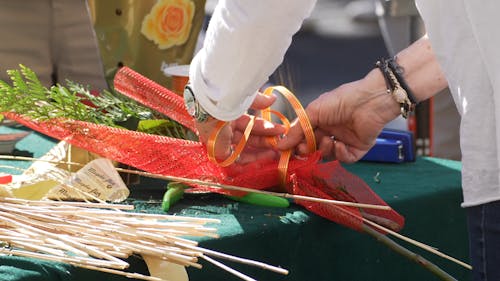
<point x="266" y="114"/>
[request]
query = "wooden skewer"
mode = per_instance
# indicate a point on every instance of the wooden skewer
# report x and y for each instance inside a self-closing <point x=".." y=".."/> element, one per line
<point x="67" y="203"/>
<point x="418" y="244"/>
<point x="16" y="238"/>
<point x="245" y="189"/>
<point x="15" y="234"/>
<point x="222" y="186"/>
<point x="182" y="240"/>
<point x="118" y="254"/>
<point x="118" y="272"/>
<point x="67" y="247"/>
<point x="228" y="269"/>
<point x="237" y="259"/>
<point x="142" y="216"/>
<point x="95" y="252"/>
<point x="39" y="248"/>
<point x="12" y="168"/>
<point x="67" y="259"/>
<point x="153" y="249"/>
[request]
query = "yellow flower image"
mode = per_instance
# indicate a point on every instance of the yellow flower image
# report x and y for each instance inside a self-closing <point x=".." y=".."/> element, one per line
<point x="169" y="22"/>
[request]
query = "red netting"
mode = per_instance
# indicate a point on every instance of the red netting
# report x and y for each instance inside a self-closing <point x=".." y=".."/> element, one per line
<point x="152" y="95"/>
<point x="331" y="181"/>
<point x="348" y="216"/>
<point x="183" y="158"/>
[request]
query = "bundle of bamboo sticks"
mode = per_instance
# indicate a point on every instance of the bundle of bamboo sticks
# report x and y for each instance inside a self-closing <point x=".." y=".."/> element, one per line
<point x="100" y="236"/>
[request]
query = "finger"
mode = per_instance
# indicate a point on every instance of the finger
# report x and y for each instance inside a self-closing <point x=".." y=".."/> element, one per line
<point x="253" y="155"/>
<point x="223" y="143"/>
<point x="205" y="129"/>
<point x="267" y="128"/>
<point x="302" y="149"/>
<point x="346" y="153"/>
<point x="254" y="141"/>
<point x="327" y="148"/>
<point x="294" y="136"/>
<point x="261" y="127"/>
<point x="262" y="101"/>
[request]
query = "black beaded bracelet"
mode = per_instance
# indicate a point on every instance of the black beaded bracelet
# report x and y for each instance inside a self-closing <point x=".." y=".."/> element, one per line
<point x="395" y="87"/>
<point x="384" y="68"/>
<point x="398" y="72"/>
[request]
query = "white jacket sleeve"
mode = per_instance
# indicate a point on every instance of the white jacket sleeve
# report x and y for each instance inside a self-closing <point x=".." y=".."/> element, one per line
<point x="245" y="42"/>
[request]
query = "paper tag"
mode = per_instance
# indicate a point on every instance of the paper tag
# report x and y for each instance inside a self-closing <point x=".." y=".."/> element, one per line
<point x="96" y="180"/>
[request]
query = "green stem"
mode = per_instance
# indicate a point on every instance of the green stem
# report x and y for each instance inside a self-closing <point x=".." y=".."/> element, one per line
<point x="408" y="254"/>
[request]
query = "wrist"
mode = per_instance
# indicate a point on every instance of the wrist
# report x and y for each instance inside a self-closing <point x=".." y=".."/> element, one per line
<point x="193" y="107"/>
<point x="383" y="103"/>
<point x="206" y="128"/>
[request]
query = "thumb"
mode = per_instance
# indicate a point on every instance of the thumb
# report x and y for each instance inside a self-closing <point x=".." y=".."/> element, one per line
<point x="262" y="101"/>
<point x="223" y="144"/>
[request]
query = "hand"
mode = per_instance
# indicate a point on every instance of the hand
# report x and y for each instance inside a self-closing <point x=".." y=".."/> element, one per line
<point x="257" y="147"/>
<point x="346" y="120"/>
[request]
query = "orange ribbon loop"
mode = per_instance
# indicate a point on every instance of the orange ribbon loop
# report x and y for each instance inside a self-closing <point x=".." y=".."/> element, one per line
<point x="299" y="110"/>
<point x="266" y="114"/>
<point x="304" y="123"/>
<point x="237" y="150"/>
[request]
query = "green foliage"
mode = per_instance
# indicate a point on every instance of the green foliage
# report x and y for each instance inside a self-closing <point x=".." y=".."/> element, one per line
<point x="162" y="127"/>
<point x="28" y="96"/>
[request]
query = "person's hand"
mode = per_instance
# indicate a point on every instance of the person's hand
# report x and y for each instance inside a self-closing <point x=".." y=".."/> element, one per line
<point x="257" y="146"/>
<point x="346" y="120"/>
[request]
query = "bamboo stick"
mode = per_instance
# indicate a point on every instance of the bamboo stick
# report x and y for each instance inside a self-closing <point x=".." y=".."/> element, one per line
<point x="408" y="254"/>
<point x="67" y="203"/>
<point x="67" y="247"/>
<point x="245" y="189"/>
<point x="122" y="273"/>
<point x="238" y="259"/>
<point x="67" y="259"/>
<point x="228" y="269"/>
<point x="220" y="186"/>
<point x="418" y="244"/>
<point x="103" y="213"/>
<point x="40" y="248"/>
<point x="119" y="254"/>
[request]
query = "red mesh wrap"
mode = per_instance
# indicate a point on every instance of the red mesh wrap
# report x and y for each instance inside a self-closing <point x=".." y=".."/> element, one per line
<point x="331" y="181"/>
<point x="183" y="158"/>
<point x="152" y="95"/>
<point x="348" y="216"/>
<point x="159" y="154"/>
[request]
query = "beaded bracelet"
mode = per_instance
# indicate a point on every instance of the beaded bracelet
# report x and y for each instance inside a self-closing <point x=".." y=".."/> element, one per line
<point x="398" y="72"/>
<point x="394" y="82"/>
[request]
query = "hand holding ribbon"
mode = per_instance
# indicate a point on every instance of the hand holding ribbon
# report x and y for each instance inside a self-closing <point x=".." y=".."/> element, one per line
<point x="231" y="133"/>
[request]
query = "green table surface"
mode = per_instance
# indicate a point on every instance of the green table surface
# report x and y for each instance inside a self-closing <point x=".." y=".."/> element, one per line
<point x="426" y="192"/>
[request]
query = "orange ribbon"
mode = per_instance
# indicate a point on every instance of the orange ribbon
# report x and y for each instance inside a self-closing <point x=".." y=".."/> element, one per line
<point x="266" y="114"/>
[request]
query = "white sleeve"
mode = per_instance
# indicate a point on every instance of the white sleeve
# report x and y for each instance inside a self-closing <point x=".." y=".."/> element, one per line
<point x="245" y="42"/>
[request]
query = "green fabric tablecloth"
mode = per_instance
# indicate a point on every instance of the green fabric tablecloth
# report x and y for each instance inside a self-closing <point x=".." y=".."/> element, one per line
<point x="426" y="192"/>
